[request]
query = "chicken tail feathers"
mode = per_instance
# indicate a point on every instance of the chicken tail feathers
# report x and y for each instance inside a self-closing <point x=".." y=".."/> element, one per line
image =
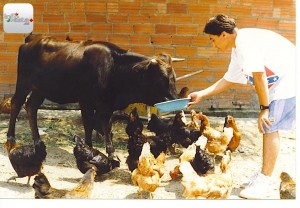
<point x="40" y="151"/>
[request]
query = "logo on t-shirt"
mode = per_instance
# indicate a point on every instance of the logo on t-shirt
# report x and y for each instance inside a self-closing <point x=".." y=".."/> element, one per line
<point x="271" y="77"/>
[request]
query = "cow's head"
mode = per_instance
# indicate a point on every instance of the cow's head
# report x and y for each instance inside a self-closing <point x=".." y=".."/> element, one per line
<point x="156" y="80"/>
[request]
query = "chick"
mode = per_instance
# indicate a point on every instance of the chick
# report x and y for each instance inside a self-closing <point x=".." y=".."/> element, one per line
<point x="287" y="187"/>
<point x="43" y="189"/>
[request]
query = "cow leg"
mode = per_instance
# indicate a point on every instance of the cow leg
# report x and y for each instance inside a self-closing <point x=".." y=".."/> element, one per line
<point x="87" y="113"/>
<point x="33" y="103"/>
<point x="16" y="103"/>
<point x="104" y="122"/>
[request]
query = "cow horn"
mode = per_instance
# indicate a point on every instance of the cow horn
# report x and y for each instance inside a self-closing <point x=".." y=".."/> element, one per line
<point x="177" y="59"/>
<point x="153" y="60"/>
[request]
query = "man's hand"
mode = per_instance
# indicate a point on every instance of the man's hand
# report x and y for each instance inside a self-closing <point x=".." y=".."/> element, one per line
<point x="263" y="120"/>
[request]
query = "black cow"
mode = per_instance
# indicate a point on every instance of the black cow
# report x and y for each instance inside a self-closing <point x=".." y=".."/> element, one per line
<point x="100" y="76"/>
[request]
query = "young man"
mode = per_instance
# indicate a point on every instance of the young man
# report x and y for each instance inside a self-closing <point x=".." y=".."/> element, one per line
<point x="266" y="60"/>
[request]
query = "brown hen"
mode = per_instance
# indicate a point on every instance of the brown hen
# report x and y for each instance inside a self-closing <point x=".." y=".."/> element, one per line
<point x="236" y="138"/>
<point x="43" y="189"/>
<point x="210" y="186"/>
<point x="148" y="174"/>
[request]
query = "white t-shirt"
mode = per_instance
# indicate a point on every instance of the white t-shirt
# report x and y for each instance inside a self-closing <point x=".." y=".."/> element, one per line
<point x="259" y="50"/>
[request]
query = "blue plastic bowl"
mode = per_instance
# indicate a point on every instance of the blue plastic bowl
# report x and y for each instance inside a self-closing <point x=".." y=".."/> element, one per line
<point x="172" y="105"/>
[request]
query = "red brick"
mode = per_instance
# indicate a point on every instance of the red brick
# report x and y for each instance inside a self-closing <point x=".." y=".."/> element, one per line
<point x="123" y="18"/>
<point x="176" y="8"/>
<point x="284" y="3"/>
<point x="13" y="48"/>
<point x="198" y="8"/>
<point x="165" y="29"/>
<point x="102" y="28"/>
<point x="98" y="18"/>
<point x="139" y="39"/>
<point x="287" y="25"/>
<point x="80" y="28"/>
<point x="267" y="23"/>
<point x="73" y="36"/>
<point x="186" y="51"/>
<point x="145" y="50"/>
<point x="79" y="6"/>
<point x="118" y="39"/>
<point x="122" y="28"/>
<point x="161" y="39"/>
<point x="11" y="37"/>
<point x="143" y="28"/>
<point x="40" y="28"/>
<point x="112" y="7"/>
<point x="75" y="17"/>
<point x="187" y="29"/>
<point x="182" y="19"/>
<point x="182" y="40"/>
<point x="164" y="49"/>
<point x="139" y="18"/>
<point x="129" y="7"/>
<point x="8" y="79"/>
<point x="53" y="17"/>
<point x="160" y="18"/>
<point x="95" y="7"/>
<point x="97" y="36"/>
<point x="59" y="28"/>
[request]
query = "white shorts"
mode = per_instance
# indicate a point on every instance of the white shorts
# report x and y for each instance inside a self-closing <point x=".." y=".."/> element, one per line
<point x="282" y="115"/>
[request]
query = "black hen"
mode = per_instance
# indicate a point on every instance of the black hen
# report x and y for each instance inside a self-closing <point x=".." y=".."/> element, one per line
<point x="134" y="124"/>
<point x="27" y="160"/>
<point x="181" y="134"/>
<point x="136" y="140"/>
<point x="202" y="163"/>
<point x="88" y="157"/>
<point x="157" y="125"/>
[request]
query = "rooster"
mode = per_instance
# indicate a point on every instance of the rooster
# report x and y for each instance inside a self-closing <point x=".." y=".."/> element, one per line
<point x="88" y="157"/>
<point x="236" y="138"/>
<point x="43" y="189"/>
<point x="27" y="160"/>
<point x="216" y="141"/>
<point x="210" y="186"/>
<point x="148" y="174"/>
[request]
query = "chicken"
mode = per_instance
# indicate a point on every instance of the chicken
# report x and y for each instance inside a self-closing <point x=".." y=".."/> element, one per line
<point x="184" y="92"/>
<point x="148" y="174"/>
<point x="236" y="138"/>
<point x="27" y="160"/>
<point x="287" y="188"/>
<point x="157" y="125"/>
<point x="193" y="124"/>
<point x="88" y="157"/>
<point x="134" y="124"/>
<point x="216" y="141"/>
<point x="43" y="189"/>
<point x="201" y="161"/>
<point x="5" y="105"/>
<point x="180" y="133"/>
<point x="210" y="186"/>
<point x="159" y="143"/>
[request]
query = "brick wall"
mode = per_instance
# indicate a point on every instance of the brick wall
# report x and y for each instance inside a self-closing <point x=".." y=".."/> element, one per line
<point x="152" y="26"/>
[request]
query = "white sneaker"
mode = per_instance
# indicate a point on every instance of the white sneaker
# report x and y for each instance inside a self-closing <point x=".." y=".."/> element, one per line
<point x="262" y="187"/>
<point x="250" y="180"/>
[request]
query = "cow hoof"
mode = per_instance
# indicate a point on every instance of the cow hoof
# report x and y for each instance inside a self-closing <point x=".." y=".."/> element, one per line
<point x="11" y="139"/>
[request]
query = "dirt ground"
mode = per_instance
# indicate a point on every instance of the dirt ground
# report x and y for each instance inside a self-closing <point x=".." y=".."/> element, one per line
<point x="57" y="128"/>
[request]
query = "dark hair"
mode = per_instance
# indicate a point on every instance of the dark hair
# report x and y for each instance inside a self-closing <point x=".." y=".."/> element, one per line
<point x="216" y="25"/>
